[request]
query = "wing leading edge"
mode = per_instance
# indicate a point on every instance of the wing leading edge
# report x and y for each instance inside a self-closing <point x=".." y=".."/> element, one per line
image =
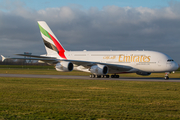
<point x="85" y="64"/>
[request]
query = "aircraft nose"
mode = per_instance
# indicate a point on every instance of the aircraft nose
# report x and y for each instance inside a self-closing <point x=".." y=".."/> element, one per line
<point x="175" y="66"/>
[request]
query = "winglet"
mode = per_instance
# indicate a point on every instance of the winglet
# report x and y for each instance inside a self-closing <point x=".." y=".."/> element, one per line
<point x="3" y="58"/>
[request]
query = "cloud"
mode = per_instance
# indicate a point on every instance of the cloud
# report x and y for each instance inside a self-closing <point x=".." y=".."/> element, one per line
<point x="112" y="28"/>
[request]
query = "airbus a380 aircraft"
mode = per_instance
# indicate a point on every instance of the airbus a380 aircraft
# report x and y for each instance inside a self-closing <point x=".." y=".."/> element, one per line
<point x="102" y="63"/>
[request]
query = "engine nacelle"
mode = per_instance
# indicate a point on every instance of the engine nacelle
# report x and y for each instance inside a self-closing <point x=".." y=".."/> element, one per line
<point x="64" y="66"/>
<point x="143" y="73"/>
<point x="99" y="69"/>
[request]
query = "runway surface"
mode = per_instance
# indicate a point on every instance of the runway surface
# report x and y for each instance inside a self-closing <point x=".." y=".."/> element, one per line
<point x="87" y="77"/>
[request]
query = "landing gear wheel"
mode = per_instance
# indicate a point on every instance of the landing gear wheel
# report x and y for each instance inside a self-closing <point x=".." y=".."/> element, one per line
<point x="90" y="75"/>
<point x="166" y="77"/>
<point x="107" y="76"/>
<point x="98" y="76"/>
<point x="114" y="76"/>
<point x="117" y="76"/>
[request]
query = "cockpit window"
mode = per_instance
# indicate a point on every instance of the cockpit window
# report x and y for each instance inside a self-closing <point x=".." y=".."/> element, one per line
<point x="169" y="60"/>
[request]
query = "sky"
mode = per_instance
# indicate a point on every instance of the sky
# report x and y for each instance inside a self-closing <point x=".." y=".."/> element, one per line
<point x="86" y="4"/>
<point x="91" y="25"/>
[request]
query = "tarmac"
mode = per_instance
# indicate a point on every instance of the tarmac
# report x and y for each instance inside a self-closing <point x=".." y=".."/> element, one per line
<point x="148" y="79"/>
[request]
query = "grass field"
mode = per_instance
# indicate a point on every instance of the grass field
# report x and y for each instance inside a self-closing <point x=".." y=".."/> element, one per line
<point x="35" y="98"/>
<point x="52" y="99"/>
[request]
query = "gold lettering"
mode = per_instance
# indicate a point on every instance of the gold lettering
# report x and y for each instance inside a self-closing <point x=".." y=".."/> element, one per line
<point x="137" y="59"/>
<point x="105" y="57"/>
<point x="109" y="57"/>
<point x="127" y="58"/>
<point x="113" y="57"/>
<point x="120" y="58"/>
<point x="123" y="58"/>
<point x="131" y="58"/>
<point x="146" y="59"/>
<point x="141" y="58"/>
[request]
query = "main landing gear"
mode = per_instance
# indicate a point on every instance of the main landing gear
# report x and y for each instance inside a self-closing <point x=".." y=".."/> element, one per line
<point x="115" y="76"/>
<point x="103" y="76"/>
<point x="166" y="76"/>
<point x="98" y="76"/>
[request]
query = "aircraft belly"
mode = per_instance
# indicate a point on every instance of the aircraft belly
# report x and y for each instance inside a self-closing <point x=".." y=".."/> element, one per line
<point x="147" y="67"/>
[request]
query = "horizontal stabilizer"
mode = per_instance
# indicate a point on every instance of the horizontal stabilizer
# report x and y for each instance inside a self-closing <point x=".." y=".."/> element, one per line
<point x="36" y="56"/>
<point x="3" y="58"/>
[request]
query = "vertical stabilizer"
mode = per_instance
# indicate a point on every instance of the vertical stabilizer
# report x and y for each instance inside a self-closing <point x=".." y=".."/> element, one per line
<point x="52" y="45"/>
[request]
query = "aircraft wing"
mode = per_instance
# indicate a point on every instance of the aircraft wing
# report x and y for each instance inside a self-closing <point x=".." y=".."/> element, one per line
<point x="86" y="64"/>
<point x="112" y="67"/>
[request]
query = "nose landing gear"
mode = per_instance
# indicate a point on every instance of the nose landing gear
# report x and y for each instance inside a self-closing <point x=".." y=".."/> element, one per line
<point x="166" y="76"/>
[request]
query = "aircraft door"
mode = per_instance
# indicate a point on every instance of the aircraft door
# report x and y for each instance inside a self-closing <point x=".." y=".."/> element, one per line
<point x="159" y="63"/>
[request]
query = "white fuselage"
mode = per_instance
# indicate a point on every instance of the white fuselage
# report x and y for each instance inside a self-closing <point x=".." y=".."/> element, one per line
<point x="147" y="61"/>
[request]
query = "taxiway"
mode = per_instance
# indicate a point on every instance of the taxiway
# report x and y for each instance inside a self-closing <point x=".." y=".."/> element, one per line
<point x="152" y="79"/>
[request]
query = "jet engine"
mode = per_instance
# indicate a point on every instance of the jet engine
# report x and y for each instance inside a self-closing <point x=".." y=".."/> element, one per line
<point x="143" y="73"/>
<point x="64" y="66"/>
<point x="99" y="69"/>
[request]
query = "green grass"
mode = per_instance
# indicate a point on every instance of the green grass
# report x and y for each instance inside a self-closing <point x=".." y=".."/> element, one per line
<point x="39" y="71"/>
<point x="36" y="98"/>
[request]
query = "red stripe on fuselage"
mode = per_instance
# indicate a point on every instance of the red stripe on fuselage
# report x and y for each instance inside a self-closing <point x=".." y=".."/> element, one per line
<point x="59" y="47"/>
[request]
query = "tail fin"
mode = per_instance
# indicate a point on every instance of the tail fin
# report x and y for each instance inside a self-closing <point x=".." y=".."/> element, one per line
<point x="52" y="45"/>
